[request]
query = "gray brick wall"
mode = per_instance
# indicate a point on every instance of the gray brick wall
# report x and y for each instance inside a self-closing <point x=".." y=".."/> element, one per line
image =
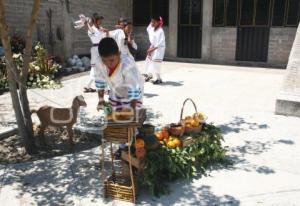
<point x="280" y="44"/>
<point x="111" y="10"/>
<point x="18" y="14"/>
<point x="223" y="44"/>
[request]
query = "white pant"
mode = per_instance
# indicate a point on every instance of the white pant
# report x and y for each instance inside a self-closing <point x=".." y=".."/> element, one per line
<point x="152" y="67"/>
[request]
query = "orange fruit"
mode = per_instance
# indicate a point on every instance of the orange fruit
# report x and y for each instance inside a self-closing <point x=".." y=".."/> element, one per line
<point x="139" y="143"/>
<point x="159" y="136"/>
<point x="195" y="123"/>
<point x="177" y="142"/>
<point x="188" y="125"/>
<point x="165" y="133"/>
<point x="171" y="144"/>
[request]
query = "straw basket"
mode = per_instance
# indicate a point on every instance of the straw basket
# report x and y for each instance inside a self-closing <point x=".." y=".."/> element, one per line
<point x="119" y="187"/>
<point x="121" y="131"/>
<point x="192" y="129"/>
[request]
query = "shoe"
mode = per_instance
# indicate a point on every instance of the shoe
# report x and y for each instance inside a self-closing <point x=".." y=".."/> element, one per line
<point x="158" y="81"/>
<point x="148" y="78"/>
<point x="87" y="90"/>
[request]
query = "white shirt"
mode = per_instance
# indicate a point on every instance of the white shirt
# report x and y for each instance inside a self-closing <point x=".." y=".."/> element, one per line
<point x="119" y="36"/>
<point x="125" y="84"/>
<point x="95" y="34"/>
<point x="157" y="40"/>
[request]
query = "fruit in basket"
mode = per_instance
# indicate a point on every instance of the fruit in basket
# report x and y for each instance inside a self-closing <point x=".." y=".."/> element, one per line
<point x="188" y="119"/>
<point x="200" y="116"/>
<point x="165" y="133"/>
<point x="195" y="122"/>
<point x="139" y="143"/>
<point x="159" y="136"/>
<point x="188" y="125"/>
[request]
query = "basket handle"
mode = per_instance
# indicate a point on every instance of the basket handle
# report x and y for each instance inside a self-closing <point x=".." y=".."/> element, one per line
<point x="185" y="101"/>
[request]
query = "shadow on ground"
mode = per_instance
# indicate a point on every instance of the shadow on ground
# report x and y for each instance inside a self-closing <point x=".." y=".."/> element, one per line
<point x="239" y="124"/>
<point x="150" y="95"/>
<point x="237" y="155"/>
<point x="57" y="181"/>
<point x="187" y="194"/>
<point x="173" y="84"/>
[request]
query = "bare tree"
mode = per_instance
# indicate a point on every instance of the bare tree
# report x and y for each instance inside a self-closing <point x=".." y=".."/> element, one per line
<point x="19" y="97"/>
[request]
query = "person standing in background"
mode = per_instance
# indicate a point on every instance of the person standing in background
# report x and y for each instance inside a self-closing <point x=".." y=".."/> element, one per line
<point x="96" y="32"/>
<point x="124" y="38"/>
<point x="156" y="51"/>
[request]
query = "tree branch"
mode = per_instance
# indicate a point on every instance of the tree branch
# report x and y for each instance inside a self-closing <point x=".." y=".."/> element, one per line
<point x="28" y="48"/>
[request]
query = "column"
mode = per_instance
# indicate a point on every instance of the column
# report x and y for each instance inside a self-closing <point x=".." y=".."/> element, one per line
<point x="207" y="28"/>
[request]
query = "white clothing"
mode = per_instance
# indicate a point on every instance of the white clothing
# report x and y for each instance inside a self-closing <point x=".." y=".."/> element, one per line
<point x="157" y="40"/>
<point x="153" y="67"/>
<point x="119" y="36"/>
<point x="125" y="84"/>
<point x="95" y="35"/>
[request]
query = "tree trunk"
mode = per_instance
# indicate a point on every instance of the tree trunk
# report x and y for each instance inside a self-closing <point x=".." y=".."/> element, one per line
<point x="20" y="102"/>
<point x="25" y="69"/>
<point x="27" y="137"/>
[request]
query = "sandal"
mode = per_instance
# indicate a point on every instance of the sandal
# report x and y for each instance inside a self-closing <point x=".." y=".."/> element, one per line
<point x="148" y="78"/>
<point x="87" y="90"/>
<point x="158" y="81"/>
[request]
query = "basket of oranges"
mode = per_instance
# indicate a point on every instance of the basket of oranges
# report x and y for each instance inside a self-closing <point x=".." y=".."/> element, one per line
<point x="192" y="124"/>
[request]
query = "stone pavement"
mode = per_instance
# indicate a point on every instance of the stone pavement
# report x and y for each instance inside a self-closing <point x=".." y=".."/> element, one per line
<point x="241" y="100"/>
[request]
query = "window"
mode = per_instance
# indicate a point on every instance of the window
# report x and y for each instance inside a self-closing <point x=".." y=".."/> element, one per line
<point x="278" y="12"/>
<point x="292" y="11"/>
<point x="143" y="9"/>
<point x="225" y="12"/>
<point x="286" y="13"/>
<point x="256" y="13"/>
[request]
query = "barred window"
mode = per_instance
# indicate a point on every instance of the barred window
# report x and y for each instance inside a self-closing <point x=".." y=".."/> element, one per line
<point x="225" y="12"/>
<point x="256" y="13"/>
<point x="144" y="9"/>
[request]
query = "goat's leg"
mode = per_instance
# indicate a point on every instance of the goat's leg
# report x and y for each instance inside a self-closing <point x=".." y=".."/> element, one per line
<point x="70" y="133"/>
<point x="41" y="135"/>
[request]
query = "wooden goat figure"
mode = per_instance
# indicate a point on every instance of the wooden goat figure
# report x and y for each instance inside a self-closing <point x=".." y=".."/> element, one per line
<point x="59" y="117"/>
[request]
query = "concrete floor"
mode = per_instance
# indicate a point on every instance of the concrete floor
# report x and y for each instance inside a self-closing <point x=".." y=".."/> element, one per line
<point x="241" y="100"/>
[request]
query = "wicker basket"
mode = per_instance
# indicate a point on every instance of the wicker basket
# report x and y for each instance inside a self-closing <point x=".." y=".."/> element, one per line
<point x="182" y="121"/>
<point x="176" y="130"/>
<point x="117" y="134"/>
<point x="120" y="188"/>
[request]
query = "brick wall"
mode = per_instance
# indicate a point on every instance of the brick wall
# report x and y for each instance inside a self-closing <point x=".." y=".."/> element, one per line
<point x="18" y="14"/>
<point x="110" y="9"/>
<point x="223" y="43"/>
<point x="280" y="44"/>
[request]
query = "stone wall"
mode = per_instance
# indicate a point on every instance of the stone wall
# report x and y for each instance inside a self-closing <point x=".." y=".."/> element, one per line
<point x="280" y="44"/>
<point x="223" y="44"/>
<point x="18" y="14"/>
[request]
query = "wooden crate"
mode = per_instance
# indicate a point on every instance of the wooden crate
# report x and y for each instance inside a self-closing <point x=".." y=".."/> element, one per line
<point x="116" y="134"/>
<point x="134" y="161"/>
<point x="120" y="188"/>
<point x="120" y="132"/>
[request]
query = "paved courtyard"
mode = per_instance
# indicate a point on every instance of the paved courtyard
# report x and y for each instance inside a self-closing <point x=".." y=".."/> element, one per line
<point x="241" y="100"/>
